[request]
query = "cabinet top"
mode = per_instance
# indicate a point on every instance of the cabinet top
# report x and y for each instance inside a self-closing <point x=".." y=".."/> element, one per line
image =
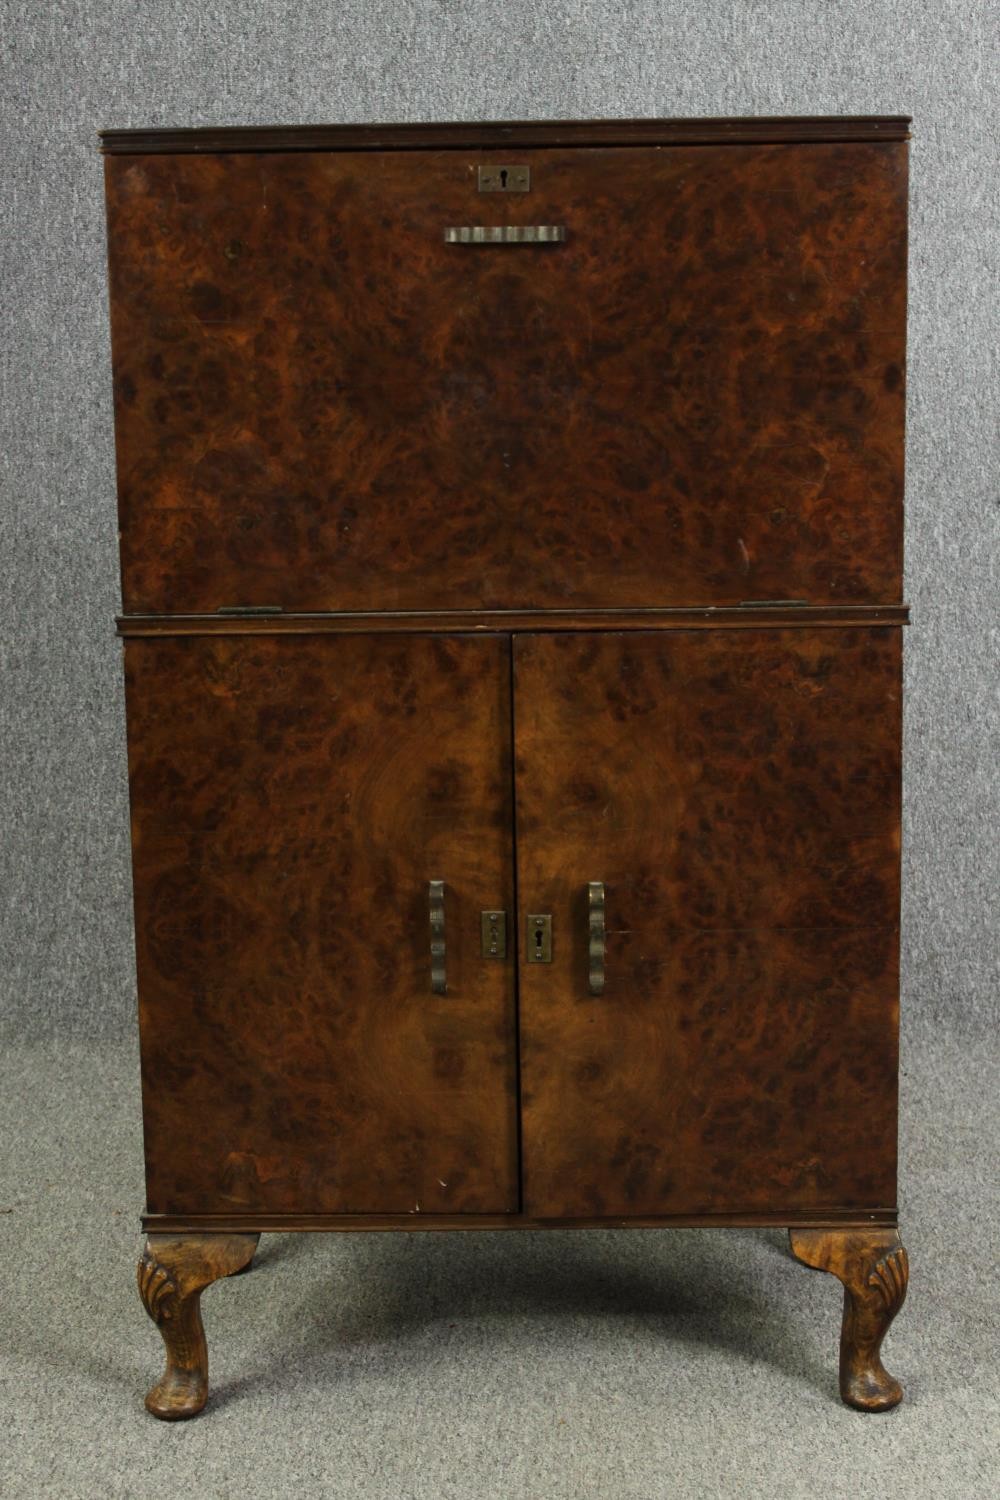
<point x="521" y="133"/>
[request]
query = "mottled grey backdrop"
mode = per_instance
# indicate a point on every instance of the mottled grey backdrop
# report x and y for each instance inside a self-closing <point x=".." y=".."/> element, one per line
<point x="70" y="67"/>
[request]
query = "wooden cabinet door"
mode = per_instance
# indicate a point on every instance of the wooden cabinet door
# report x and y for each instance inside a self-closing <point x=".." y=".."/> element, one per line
<point x="292" y="798"/>
<point x="738" y="794"/>
<point x="697" y="397"/>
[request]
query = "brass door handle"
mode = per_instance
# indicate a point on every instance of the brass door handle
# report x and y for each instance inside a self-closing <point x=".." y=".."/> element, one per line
<point x="505" y="234"/>
<point x="435" y="902"/>
<point x="596" y="934"/>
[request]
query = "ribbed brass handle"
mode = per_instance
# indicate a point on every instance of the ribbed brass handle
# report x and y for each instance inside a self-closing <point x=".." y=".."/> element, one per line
<point x="505" y="234"/>
<point x="435" y="901"/>
<point x="597" y="928"/>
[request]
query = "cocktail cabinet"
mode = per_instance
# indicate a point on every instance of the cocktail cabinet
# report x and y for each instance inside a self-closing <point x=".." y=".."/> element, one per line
<point x="511" y="541"/>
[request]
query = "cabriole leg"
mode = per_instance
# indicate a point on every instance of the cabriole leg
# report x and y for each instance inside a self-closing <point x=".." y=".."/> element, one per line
<point x="173" y="1273"/>
<point x="873" y="1267"/>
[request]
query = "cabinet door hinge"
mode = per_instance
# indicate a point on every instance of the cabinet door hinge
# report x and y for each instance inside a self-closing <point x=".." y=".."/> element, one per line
<point x="250" y="609"/>
<point x="771" y="603"/>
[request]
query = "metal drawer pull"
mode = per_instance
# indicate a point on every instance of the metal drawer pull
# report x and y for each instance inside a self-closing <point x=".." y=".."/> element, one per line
<point x="595" y="900"/>
<point x="435" y="897"/>
<point x="505" y="234"/>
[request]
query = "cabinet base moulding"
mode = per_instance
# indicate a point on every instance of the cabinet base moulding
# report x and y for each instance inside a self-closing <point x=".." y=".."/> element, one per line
<point x="297" y="1223"/>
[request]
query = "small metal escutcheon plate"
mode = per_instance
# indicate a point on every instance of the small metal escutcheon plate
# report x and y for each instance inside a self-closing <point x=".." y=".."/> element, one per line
<point x="539" y="935"/>
<point x="494" y="934"/>
<point x="503" y="178"/>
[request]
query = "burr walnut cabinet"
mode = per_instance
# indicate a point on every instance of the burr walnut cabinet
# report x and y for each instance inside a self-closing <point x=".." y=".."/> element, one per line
<point x="511" y="538"/>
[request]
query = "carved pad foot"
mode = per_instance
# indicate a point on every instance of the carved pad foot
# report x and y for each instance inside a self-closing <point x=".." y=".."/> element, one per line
<point x="873" y="1267"/>
<point x="173" y="1273"/>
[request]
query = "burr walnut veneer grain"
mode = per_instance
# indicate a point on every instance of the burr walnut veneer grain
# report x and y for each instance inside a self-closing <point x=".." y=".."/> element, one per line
<point x="748" y="840"/>
<point x="515" y="572"/>
<point x="291" y="801"/>
<point x="697" y="399"/>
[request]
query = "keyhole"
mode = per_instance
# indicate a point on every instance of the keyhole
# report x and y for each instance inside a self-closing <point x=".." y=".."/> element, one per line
<point x="538" y="935"/>
<point x="503" y="177"/>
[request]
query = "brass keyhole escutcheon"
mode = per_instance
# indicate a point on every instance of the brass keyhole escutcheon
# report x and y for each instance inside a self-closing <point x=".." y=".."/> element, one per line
<point x="504" y="178"/>
<point x="493" y="934"/>
<point x="538" y="947"/>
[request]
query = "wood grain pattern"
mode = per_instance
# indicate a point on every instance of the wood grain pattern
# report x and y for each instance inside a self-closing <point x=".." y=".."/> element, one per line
<point x="739" y="797"/>
<point x="875" y="1271"/>
<point x="291" y="799"/>
<point x="502" y="134"/>
<point x="172" y="1274"/>
<point x="698" y="399"/>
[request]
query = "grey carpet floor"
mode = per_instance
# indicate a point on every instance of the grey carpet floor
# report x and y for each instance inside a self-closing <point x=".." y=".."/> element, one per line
<point x="607" y="1364"/>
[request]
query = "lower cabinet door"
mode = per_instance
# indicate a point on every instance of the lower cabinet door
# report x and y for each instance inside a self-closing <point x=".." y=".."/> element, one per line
<point x="292" y="800"/>
<point x="736" y="793"/>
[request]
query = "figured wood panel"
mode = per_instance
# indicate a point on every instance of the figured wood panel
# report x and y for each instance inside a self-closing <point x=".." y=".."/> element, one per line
<point x="738" y="794"/>
<point x="291" y="800"/>
<point x="697" y="399"/>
